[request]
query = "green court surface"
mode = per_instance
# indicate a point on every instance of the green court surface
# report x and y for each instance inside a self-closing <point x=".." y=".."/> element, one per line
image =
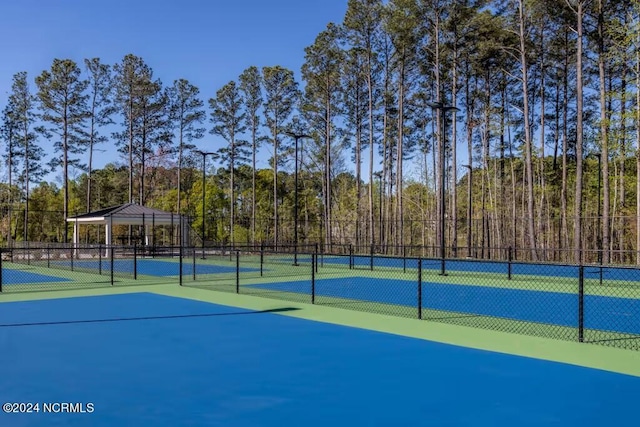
<point x="163" y="355"/>
<point x="591" y="356"/>
<point x="541" y="305"/>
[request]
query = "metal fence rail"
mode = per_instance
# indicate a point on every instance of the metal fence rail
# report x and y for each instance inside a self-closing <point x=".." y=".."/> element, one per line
<point x="589" y="303"/>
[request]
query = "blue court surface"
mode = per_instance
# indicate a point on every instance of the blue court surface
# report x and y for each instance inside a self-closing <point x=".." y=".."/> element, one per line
<point x="150" y="360"/>
<point x="150" y="267"/>
<point x="15" y="277"/>
<point x="552" y="308"/>
<point x="497" y="267"/>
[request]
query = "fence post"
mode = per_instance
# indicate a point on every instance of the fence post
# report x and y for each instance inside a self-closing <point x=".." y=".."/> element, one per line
<point x="350" y="257"/>
<point x="581" y="303"/>
<point x="180" y="263"/>
<point x="72" y="256"/>
<point x="112" y="262"/>
<point x="237" y="272"/>
<point x="48" y="257"/>
<point x="420" y="288"/>
<point x="261" y="258"/>
<point x="153" y="234"/>
<point x="404" y="259"/>
<point x="372" y="249"/>
<point x="135" y="260"/>
<point x="194" y="263"/>
<point x="100" y="258"/>
<point x="1" y="270"/>
<point x="509" y="258"/>
<point x="313" y="278"/>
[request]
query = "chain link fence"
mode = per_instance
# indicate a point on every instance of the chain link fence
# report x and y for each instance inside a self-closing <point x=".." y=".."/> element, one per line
<point x="590" y="303"/>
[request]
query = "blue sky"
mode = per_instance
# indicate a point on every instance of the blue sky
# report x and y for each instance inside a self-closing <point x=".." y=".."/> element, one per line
<point x="207" y="42"/>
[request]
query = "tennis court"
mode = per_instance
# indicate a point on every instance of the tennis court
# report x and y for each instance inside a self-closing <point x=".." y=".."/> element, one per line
<point x="14" y="277"/>
<point x="149" y="267"/>
<point x="363" y="262"/>
<point x="168" y="360"/>
<point x="552" y="308"/>
<point x="86" y="271"/>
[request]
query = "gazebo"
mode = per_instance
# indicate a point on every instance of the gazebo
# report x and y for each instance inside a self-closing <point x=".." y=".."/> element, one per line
<point x="130" y="214"/>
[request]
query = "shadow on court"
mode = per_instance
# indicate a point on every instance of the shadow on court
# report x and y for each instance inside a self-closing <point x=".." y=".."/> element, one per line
<point x="129" y="319"/>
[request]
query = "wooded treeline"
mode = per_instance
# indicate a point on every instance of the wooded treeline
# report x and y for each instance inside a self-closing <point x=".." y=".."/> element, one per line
<point x="542" y="155"/>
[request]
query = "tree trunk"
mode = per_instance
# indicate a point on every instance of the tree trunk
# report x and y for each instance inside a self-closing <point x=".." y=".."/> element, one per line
<point x="469" y="126"/>
<point x="275" y="181"/>
<point x="527" y="135"/>
<point x="91" y="143"/>
<point x="577" y="226"/>
<point x="370" y="96"/>
<point x="565" y="135"/>
<point x="638" y="152"/>
<point x="26" y="183"/>
<point x="328" y="166"/>
<point x="130" y="147"/>
<point x="253" y="183"/>
<point x="232" y="195"/>
<point x="604" y="142"/>
<point x="543" y="195"/>
<point x="65" y="167"/>
<point x="180" y="154"/>
<point x="399" y="161"/>
<point x="454" y="152"/>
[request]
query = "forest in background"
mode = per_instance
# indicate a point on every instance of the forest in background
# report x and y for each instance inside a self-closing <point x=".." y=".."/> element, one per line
<point x="542" y="155"/>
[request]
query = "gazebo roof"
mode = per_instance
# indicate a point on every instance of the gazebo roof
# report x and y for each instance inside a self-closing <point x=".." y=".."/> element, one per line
<point x="128" y="214"/>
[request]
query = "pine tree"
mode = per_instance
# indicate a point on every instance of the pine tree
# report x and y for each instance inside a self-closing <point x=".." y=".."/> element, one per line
<point x="321" y="71"/>
<point x="64" y="109"/>
<point x="128" y="79"/>
<point x="187" y="113"/>
<point x="153" y="129"/>
<point x="362" y="24"/>
<point x="228" y="120"/>
<point x="9" y="133"/>
<point x="24" y="104"/>
<point x="281" y="93"/>
<point x="252" y="94"/>
<point x="101" y="109"/>
<point x="402" y="25"/>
